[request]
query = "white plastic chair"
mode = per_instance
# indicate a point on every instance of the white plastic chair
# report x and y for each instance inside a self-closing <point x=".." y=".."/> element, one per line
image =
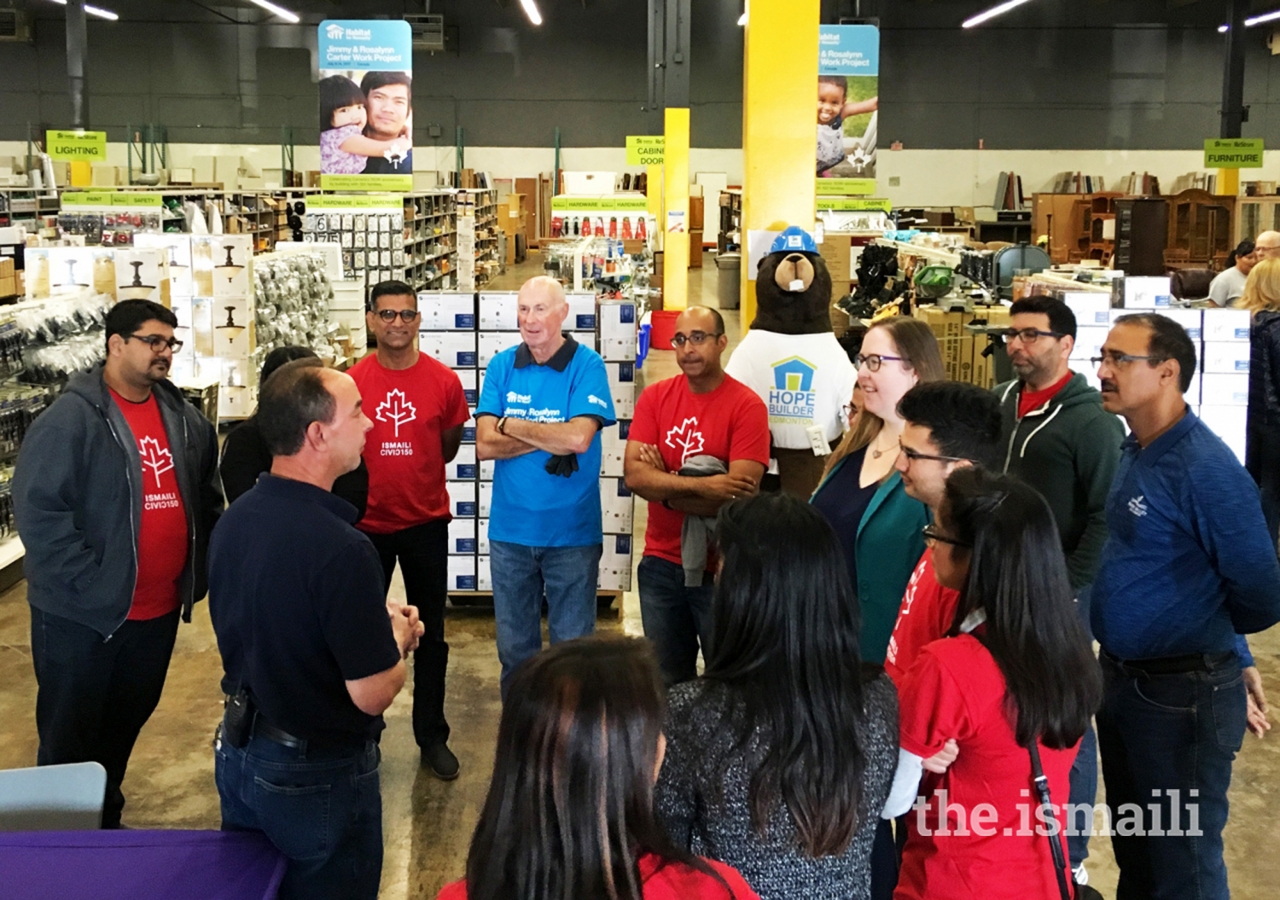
<point x="53" y="798"/>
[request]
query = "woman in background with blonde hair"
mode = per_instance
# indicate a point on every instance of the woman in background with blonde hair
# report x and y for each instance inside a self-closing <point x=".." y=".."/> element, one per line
<point x="1262" y="440"/>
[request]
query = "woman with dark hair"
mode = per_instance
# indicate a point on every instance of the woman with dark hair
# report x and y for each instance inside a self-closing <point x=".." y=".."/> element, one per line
<point x="1015" y="685"/>
<point x="1228" y="285"/>
<point x="779" y="758"/>
<point x="569" y="815"/>
<point x="245" y="455"/>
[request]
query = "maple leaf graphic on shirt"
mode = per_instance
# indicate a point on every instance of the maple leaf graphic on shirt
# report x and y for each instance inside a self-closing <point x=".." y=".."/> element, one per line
<point x="396" y="410"/>
<point x="686" y="438"/>
<point x="155" y="457"/>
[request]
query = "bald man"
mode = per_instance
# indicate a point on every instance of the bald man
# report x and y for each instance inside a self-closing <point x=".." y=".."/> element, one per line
<point x="1266" y="245"/>
<point x="539" y="417"/>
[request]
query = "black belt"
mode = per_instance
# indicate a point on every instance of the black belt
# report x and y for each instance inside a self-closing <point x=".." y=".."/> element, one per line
<point x="1173" y="665"/>
<point x="271" y="733"/>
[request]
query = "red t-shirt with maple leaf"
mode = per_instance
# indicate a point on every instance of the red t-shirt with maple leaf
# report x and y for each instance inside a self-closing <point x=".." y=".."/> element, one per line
<point x="410" y="409"/>
<point x="729" y="423"/>
<point x="163" y="539"/>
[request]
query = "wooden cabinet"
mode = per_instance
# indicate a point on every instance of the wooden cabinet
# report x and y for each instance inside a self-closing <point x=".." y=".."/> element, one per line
<point x="1079" y="226"/>
<point x="1200" y="228"/>
<point x="1255" y="215"/>
<point x="1142" y="229"/>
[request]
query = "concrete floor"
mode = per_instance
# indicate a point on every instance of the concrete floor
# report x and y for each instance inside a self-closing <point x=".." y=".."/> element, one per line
<point x="427" y="823"/>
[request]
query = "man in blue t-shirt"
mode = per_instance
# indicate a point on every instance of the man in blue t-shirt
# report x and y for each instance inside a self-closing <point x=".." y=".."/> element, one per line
<point x="540" y="414"/>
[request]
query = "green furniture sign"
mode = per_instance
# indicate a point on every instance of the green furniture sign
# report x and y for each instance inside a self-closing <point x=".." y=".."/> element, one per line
<point x="85" y="146"/>
<point x="1233" y="153"/>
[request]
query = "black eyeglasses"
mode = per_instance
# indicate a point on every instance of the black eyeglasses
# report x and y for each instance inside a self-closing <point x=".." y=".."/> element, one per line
<point x="697" y="338"/>
<point x="913" y="455"/>
<point x="932" y="536"/>
<point x="156" y="342"/>
<point x="1120" y="360"/>
<point x="1029" y="335"/>
<point x="873" y="361"/>
<point x="389" y="315"/>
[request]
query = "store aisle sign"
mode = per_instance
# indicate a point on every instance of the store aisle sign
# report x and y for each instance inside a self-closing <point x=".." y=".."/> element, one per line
<point x="854" y="204"/>
<point x="366" y="105"/>
<point x="72" y="146"/>
<point x="1233" y="153"/>
<point x="113" y="199"/>
<point x="646" y="149"/>
<point x="368" y="201"/>
<point x="599" y="204"/>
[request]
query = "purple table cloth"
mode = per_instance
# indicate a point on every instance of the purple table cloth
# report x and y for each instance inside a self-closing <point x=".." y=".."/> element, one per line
<point x="138" y="865"/>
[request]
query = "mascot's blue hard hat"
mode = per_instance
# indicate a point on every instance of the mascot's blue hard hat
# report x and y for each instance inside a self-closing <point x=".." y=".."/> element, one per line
<point x="794" y="240"/>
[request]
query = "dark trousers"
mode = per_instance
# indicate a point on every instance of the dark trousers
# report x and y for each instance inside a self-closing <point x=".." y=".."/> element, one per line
<point x="321" y="809"/>
<point x="1084" y="791"/>
<point x="1163" y="733"/>
<point x="94" y="695"/>
<point x="676" y="618"/>
<point x="423" y="554"/>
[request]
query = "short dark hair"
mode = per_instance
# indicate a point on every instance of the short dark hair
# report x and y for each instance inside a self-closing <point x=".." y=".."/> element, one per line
<point x="963" y="419"/>
<point x="281" y="355"/>
<point x="1061" y="319"/>
<point x="374" y="80"/>
<point x="836" y="81"/>
<point x="390" y="289"/>
<point x="336" y="92"/>
<point x="1244" y="248"/>
<point x="289" y="401"/>
<point x="127" y="316"/>
<point x="1168" y="340"/>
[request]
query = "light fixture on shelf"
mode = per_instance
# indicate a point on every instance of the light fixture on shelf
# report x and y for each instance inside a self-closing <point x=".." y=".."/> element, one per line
<point x="531" y="10"/>
<point x="1253" y="20"/>
<point x="97" y="11"/>
<point x="277" y="10"/>
<point x="136" y="290"/>
<point x="71" y="274"/>
<point x="229" y="269"/>
<point x="231" y="328"/>
<point x="991" y="13"/>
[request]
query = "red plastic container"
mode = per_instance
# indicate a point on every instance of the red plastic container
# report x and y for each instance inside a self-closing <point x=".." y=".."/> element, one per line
<point x="663" y="327"/>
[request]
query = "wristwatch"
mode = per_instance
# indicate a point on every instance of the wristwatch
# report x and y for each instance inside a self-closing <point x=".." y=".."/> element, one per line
<point x="502" y="426"/>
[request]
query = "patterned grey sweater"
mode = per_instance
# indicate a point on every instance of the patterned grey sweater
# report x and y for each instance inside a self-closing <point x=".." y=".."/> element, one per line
<point x="718" y="825"/>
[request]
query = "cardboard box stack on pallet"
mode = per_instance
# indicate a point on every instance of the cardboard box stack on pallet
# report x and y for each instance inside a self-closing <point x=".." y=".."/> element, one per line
<point x="837" y="252"/>
<point x="514" y="219"/>
<point x="963" y="352"/>
<point x="8" y="278"/>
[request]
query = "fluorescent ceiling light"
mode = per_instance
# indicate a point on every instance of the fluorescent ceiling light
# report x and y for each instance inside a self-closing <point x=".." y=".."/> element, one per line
<point x="992" y="13"/>
<point x="95" y="11"/>
<point x="1255" y="20"/>
<point x="531" y="10"/>
<point x="277" y="10"/>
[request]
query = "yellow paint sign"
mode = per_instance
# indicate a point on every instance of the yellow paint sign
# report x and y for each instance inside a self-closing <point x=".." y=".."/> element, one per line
<point x="646" y="149"/>
<point x="88" y="146"/>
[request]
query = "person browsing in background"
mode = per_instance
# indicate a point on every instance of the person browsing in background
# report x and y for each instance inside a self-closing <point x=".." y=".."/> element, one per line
<point x="834" y="107"/>
<point x="418" y="409"/>
<point x="779" y="758"/>
<point x="1228" y="285"/>
<point x="344" y="150"/>
<point x="1014" y="685"/>
<point x="574" y="818"/>
<point x="1262" y="437"/>
<point x="540" y="413"/>
<point x="312" y="654"/>
<point x="115" y="493"/>
<point x="1188" y="568"/>
<point x="1266" y="245"/>
<point x="1060" y="440"/>
<point x="697" y="441"/>
<point x="388" y="100"/>
<point x="245" y="455"/>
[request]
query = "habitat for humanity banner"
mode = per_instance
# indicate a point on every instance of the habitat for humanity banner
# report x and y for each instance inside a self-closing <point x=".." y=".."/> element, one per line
<point x="848" y="100"/>
<point x="366" y="105"/>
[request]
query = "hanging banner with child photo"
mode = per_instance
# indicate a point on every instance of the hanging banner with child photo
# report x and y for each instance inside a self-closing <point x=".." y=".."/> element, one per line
<point x="366" y="105"/>
<point x="848" y="98"/>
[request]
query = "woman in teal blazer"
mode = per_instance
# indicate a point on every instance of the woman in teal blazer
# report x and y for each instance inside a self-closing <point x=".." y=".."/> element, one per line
<point x="862" y="495"/>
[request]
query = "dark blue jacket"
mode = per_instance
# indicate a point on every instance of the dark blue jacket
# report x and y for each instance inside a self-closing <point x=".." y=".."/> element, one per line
<point x="77" y="494"/>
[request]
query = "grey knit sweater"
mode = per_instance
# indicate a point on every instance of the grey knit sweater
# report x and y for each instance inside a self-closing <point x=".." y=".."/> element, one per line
<point x="718" y="825"/>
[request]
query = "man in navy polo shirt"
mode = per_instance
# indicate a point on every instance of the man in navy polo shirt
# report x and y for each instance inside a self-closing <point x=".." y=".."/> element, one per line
<point x="1187" y="570"/>
<point x="540" y="414"/>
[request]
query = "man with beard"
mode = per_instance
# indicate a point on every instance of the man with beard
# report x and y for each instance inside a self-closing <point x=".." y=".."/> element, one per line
<point x="1059" y="439"/>
<point x="115" y="492"/>
<point x="388" y="103"/>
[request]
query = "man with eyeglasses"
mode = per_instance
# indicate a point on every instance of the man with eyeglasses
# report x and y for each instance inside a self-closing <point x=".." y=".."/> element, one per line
<point x="1266" y="245"/>
<point x="418" y="409"/>
<point x="1187" y="570"/>
<point x="115" y="492"/>
<point x="700" y="421"/>
<point x="1060" y="440"/>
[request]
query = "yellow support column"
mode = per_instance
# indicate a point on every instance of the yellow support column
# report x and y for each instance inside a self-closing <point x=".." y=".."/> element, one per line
<point x="653" y="193"/>
<point x="1228" y="182"/>
<point x="675" y="196"/>
<point x="779" y="130"/>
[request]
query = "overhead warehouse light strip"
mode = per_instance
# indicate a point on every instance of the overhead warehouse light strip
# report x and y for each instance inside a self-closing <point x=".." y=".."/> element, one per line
<point x="277" y="10"/>
<point x="1255" y="20"/>
<point x="531" y="10"/>
<point x="95" y="11"/>
<point x="992" y="13"/>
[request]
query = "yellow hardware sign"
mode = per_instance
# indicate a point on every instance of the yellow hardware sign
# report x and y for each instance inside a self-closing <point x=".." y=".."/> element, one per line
<point x="86" y="146"/>
<point x="646" y="150"/>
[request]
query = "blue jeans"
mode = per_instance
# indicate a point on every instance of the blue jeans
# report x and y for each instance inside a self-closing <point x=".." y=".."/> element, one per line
<point x="1163" y="733"/>
<point x="1084" y="791"/>
<point x="567" y="576"/>
<point x="676" y="618"/>
<point x="322" y="810"/>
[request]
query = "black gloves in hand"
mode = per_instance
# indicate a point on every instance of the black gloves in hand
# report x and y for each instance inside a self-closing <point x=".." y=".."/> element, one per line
<point x="564" y="466"/>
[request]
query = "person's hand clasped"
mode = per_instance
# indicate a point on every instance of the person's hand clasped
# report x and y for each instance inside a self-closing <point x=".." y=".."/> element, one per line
<point x="1256" y="699"/>
<point x="942" y="760"/>
<point x="726" y="487"/>
<point x="405" y="626"/>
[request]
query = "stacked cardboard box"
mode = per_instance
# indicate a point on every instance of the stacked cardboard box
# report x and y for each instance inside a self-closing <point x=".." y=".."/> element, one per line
<point x="963" y="351"/>
<point x="8" y="278"/>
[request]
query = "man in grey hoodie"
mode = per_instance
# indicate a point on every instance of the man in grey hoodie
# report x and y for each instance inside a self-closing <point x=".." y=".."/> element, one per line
<point x="115" y="492"/>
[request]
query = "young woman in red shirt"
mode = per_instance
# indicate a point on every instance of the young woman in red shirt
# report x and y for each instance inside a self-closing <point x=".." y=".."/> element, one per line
<point x="1017" y="673"/>
<point x="570" y="809"/>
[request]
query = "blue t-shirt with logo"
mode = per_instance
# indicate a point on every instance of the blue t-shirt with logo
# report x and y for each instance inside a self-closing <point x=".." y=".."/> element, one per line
<point x="530" y="506"/>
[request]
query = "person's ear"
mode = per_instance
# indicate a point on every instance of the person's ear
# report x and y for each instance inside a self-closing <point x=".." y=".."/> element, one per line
<point x="1068" y="344"/>
<point x="316" y="438"/>
<point x="115" y="345"/>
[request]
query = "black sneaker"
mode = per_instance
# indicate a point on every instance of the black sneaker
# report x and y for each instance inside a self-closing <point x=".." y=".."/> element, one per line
<point x="441" y="761"/>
